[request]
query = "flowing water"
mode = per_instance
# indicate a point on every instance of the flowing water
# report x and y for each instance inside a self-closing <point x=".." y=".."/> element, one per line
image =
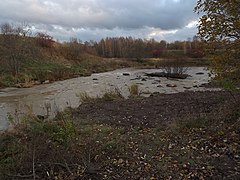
<point x="48" y="99"/>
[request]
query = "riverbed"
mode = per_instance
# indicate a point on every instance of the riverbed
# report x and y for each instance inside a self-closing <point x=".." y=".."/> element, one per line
<point x="48" y="99"/>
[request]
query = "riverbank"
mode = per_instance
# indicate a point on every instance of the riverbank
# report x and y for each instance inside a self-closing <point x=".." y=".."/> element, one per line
<point x="183" y="135"/>
<point x="41" y="72"/>
<point x="34" y="72"/>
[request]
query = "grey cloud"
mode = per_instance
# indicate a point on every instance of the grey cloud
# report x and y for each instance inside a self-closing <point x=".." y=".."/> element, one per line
<point x="110" y="17"/>
<point x="182" y="34"/>
<point x="165" y="14"/>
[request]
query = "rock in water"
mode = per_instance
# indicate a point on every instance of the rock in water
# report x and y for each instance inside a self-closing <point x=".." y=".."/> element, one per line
<point x="171" y="85"/>
<point x="46" y="82"/>
<point x="126" y="74"/>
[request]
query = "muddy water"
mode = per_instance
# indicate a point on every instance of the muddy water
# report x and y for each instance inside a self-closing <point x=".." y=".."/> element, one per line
<point x="48" y="99"/>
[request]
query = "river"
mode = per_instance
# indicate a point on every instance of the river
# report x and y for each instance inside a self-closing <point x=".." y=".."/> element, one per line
<point x="48" y="99"/>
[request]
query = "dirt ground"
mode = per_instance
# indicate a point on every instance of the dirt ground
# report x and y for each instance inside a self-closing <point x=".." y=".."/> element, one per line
<point x="189" y="135"/>
<point x="162" y="109"/>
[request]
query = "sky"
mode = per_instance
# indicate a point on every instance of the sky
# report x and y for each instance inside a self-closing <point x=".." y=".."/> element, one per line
<point x="86" y="20"/>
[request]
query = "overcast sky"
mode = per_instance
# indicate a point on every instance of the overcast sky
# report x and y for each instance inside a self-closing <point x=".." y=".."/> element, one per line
<point x="95" y="19"/>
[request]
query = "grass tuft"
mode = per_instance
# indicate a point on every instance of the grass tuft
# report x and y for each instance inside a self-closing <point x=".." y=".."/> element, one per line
<point x="85" y="97"/>
<point x="110" y="95"/>
<point x="134" y="90"/>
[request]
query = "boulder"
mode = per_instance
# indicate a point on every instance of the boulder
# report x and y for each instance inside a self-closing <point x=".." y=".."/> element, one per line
<point x="155" y="93"/>
<point x="126" y="74"/>
<point x="171" y="85"/>
<point x="199" y="73"/>
<point x="37" y="82"/>
<point x="19" y="85"/>
<point x="46" y="82"/>
<point x="185" y="87"/>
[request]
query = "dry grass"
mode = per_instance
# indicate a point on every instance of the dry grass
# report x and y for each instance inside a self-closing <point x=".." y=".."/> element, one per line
<point x="134" y="90"/>
<point x="110" y="95"/>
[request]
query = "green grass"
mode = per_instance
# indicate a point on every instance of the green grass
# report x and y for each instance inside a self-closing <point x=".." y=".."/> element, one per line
<point x="8" y="80"/>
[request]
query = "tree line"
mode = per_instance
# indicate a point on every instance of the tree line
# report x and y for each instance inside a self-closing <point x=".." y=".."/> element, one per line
<point x="129" y="47"/>
<point x="111" y="47"/>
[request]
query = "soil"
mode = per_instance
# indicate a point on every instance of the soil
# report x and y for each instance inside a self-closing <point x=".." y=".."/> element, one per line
<point x="162" y="109"/>
<point x="189" y="135"/>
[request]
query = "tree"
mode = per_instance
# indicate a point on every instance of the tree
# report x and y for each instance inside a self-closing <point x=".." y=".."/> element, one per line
<point x="44" y="40"/>
<point x="22" y="30"/>
<point x="13" y="47"/>
<point x="7" y="28"/>
<point x="219" y="27"/>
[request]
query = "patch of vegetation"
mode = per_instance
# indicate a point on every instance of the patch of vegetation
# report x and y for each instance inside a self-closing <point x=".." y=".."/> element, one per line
<point x="134" y="90"/>
<point x="85" y="97"/>
<point x="110" y="95"/>
<point x="8" y="80"/>
<point x="36" y="71"/>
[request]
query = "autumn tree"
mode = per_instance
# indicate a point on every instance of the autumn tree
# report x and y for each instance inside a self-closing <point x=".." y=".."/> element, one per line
<point x="219" y="27"/>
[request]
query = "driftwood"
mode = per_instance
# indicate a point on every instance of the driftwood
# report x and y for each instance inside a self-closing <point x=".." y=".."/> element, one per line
<point x="168" y="75"/>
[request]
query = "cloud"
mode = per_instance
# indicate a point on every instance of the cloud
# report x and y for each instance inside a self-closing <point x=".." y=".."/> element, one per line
<point x="108" y="17"/>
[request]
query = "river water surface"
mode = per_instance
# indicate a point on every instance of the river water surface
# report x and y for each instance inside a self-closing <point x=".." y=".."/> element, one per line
<point x="48" y="99"/>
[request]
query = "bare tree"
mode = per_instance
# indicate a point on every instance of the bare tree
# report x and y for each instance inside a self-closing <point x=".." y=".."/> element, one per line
<point x="6" y="29"/>
<point x="13" y="44"/>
